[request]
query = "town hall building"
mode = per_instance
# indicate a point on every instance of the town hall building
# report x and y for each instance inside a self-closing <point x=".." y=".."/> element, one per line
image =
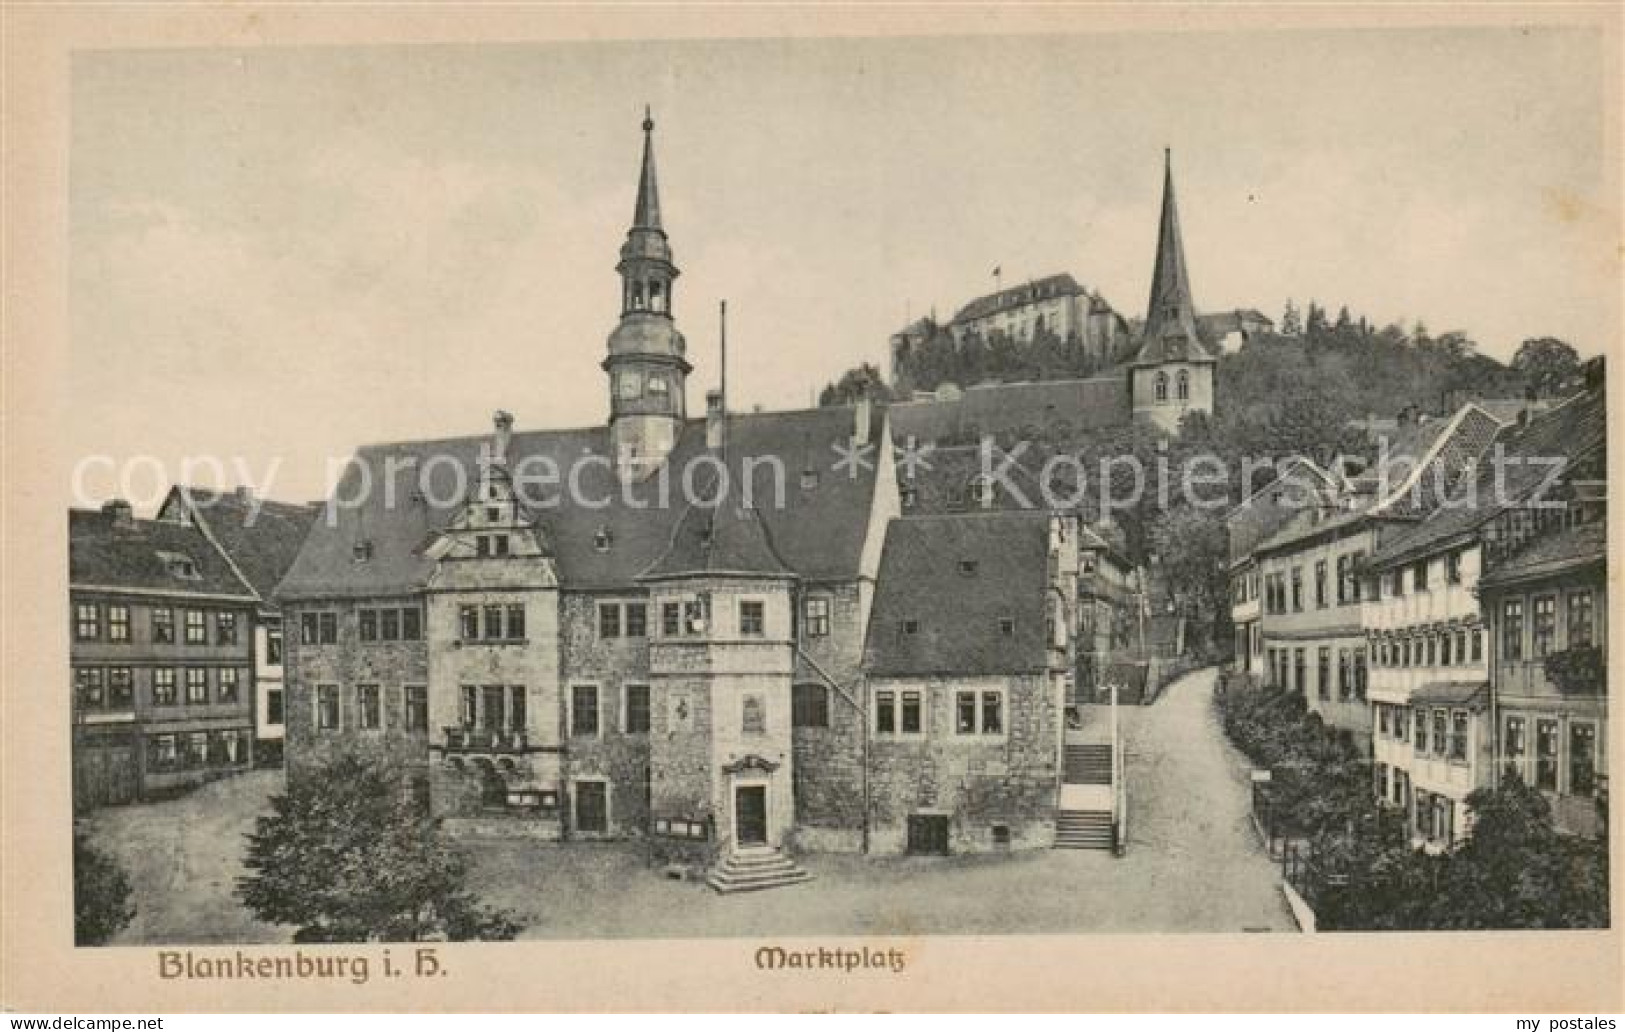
<point x="731" y="677"/>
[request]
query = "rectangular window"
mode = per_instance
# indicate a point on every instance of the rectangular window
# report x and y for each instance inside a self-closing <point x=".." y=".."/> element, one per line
<point x="1512" y="630"/>
<point x="92" y="687"/>
<point x="1582" y="758"/>
<point x="1512" y="740"/>
<point x="965" y="713"/>
<point x="1320" y="584"/>
<point x="992" y="713"/>
<point x="1396" y="582"/>
<point x="225" y="628"/>
<point x="1444" y="649"/>
<point x="516" y="620"/>
<point x="1452" y="568"/>
<point x="1545" y="625"/>
<point x="584" y="710"/>
<point x="910" y="723"/>
<point x="327" y="707"/>
<point x="516" y="708"/>
<point x="1419" y="574"/>
<point x="197" y="685"/>
<point x="389" y="624"/>
<point x="1342" y="579"/>
<point x="693" y="617"/>
<point x="87" y="621"/>
<point x="197" y="627"/>
<point x="411" y="624"/>
<point x="1323" y="672"/>
<point x="163" y="626"/>
<point x="671" y="619"/>
<point x="817" y="613"/>
<point x="1432" y="647"/>
<point x="1359" y="672"/>
<point x="367" y="625"/>
<point x="493" y="622"/>
<point x="1458" y="736"/>
<point x="273" y="707"/>
<point x="637" y="620"/>
<point x="197" y="749"/>
<point x="885" y="713"/>
<point x="1582" y="628"/>
<point x="493" y="699"/>
<point x="273" y="646"/>
<point x="1298" y="671"/>
<point x="163" y="753"/>
<point x="753" y="715"/>
<point x="609" y="620"/>
<point x="468" y="710"/>
<point x="752" y="620"/>
<point x="1355" y="590"/>
<point x="637" y="709"/>
<point x="225" y="688"/>
<point x="329" y="630"/>
<point x="120" y="687"/>
<point x="307" y="628"/>
<point x="415" y="704"/>
<point x="1297" y="589"/>
<point x="1345" y="674"/>
<point x="118" y="622"/>
<point x="1440" y="732"/>
<point x="1546" y="755"/>
<point x="1421" y="731"/>
<point x="809" y="706"/>
<point x="163" y="687"/>
<point x="1478" y="646"/>
<point x="367" y="715"/>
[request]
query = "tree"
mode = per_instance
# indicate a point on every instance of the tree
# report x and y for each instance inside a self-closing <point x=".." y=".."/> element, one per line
<point x="101" y="895"/>
<point x="1546" y="363"/>
<point x="866" y="381"/>
<point x="347" y="855"/>
<point x="1192" y="549"/>
<point x="1291" y="321"/>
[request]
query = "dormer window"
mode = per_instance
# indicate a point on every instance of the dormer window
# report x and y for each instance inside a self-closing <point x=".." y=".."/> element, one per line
<point x="1007" y="626"/>
<point x="179" y="566"/>
<point x="602" y="539"/>
<point x="911" y="496"/>
<point x="809" y="479"/>
<point x="980" y="491"/>
<point x="910" y="628"/>
<point x="492" y="513"/>
<point x="968" y="567"/>
<point x="361" y="551"/>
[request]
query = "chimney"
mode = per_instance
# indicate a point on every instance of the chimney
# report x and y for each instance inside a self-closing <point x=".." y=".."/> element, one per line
<point x="502" y="435"/>
<point x="244" y="493"/>
<point x="862" y="416"/>
<point x="713" y="419"/>
<point x="119" y="512"/>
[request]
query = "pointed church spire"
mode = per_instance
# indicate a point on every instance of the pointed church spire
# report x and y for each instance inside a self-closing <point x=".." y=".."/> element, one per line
<point x="1170" y="318"/>
<point x="647" y="213"/>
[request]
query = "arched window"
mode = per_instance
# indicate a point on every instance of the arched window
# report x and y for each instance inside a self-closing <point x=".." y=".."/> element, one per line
<point x="1182" y="385"/>
<point x="1160" y="391"/>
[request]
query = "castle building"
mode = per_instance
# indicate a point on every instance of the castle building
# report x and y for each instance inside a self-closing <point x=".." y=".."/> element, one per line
<point x="675" y="639"/>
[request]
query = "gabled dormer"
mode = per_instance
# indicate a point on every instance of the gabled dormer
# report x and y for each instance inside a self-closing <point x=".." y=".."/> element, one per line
<point x="494" y="531"/>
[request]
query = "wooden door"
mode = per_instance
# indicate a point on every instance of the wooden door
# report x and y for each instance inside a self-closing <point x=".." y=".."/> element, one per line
<point x="750" y="815"/>
<point x="928" y="834"/>
<point x="592" y="807"/>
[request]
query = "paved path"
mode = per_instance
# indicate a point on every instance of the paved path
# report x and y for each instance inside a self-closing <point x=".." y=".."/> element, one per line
<point x="1189" y="829"/>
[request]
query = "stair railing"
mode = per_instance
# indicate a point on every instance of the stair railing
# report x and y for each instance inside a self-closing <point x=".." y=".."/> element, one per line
<point x="1119" y="790"/>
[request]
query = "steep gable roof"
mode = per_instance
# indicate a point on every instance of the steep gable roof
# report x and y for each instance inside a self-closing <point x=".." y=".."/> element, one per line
<point x="956" y="610"/>
<point x="607" y="534"/>
<point x="140" y="556"/>
<point x="1566" y="432"/>
<point x="260" y="537"/>
<point x="719" y="540"/>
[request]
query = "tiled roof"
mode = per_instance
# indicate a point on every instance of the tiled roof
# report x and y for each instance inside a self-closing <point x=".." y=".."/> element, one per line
<point x="924" y="579"/>
<point x="1567" y="431"/>
<point x="260" y="537"/>
<point x="819" y="531"/>
<point x="1564" y="550"/>
<point x="101" y="555"/>
<point x="1055" y="407"/>
<point x="715" y="540"/>
<point x="1060" y="285"/>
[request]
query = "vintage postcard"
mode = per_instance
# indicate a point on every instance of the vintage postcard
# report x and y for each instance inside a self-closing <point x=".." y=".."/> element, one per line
<point x="797" y="508"/>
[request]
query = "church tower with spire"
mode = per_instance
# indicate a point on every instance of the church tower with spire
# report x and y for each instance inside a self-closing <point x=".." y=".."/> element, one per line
<point x="1173" y="372"/>
<point x="646" y="364"/>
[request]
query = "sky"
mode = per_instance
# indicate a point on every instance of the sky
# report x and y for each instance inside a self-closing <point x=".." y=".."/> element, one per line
<point x="280" y="254"/>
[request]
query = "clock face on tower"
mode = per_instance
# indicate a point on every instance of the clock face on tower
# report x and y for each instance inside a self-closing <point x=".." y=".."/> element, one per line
<point x="629" y="384"/>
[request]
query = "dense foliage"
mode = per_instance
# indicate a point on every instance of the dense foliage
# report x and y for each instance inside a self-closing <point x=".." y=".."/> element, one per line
<point x="348" y="855"/>
<point x="1513" y="871"/>
<point x="101" y="895"/>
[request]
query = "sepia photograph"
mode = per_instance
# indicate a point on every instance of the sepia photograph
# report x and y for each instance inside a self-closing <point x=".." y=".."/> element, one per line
<point x="830" y="492"/>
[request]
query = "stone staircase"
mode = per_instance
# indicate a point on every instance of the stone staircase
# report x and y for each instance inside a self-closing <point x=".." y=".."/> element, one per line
<point x="747" y="870"/>
<point x="1087" y="765"/>
<point x="1087" y="822"/>
<point x="1083" y="829"/>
